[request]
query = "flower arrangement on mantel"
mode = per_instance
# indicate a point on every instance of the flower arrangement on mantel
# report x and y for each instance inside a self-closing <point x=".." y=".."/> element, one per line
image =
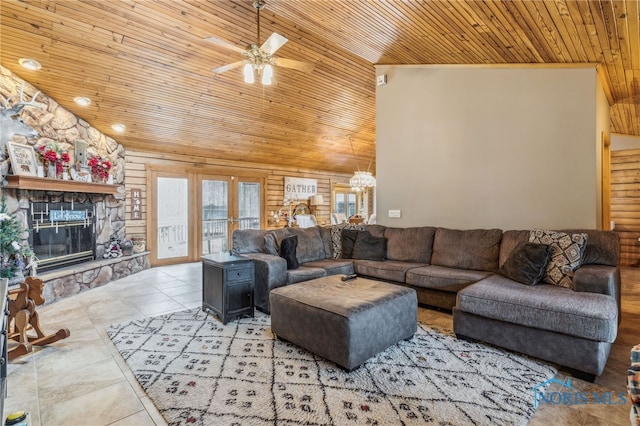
<point x="53" y="158"/>
<point x="100" y="169"/>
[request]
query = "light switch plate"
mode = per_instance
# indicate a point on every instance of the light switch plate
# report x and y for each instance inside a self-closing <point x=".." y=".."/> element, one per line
<point x="395" y="213"/>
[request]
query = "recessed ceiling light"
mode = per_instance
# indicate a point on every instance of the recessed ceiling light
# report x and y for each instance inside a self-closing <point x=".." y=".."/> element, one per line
<point x="119" y="127"/>
<point x="82" y="101"/>
<point x="30" y="64"/>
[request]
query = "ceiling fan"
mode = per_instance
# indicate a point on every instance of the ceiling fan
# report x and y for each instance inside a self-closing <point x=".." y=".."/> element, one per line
<point x="259" y="59"/>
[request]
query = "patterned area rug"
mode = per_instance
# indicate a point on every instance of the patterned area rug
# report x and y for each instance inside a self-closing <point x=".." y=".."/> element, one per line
<point x="198" y="371"/>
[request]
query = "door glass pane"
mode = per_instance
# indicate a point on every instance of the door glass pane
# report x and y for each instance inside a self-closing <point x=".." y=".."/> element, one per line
<point x="352" y="208"/>
<point x="173" y="225"/>
<point x="248" y="205"/>
<point x="215" y="214"/>
<point x="339" y="204"/>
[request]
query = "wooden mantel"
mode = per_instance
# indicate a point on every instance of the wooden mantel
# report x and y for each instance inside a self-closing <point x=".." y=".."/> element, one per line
<point x="43" y="184"/>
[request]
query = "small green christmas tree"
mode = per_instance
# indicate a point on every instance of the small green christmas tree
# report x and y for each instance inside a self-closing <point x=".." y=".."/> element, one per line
<point x="12" y="253"/>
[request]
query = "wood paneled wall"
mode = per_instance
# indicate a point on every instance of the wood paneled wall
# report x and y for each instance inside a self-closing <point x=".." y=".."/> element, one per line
<point x="625" y="203"/>
<point x="137" y="164"/>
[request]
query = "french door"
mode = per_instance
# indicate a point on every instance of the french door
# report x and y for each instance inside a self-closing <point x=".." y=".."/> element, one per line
<point x="194" y="214"/>
<point x="227" y="204"/>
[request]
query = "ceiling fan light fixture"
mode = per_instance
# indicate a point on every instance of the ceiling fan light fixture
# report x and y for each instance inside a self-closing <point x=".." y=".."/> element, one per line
<point x="267" y="74"/>
<point x="248" y="73"/>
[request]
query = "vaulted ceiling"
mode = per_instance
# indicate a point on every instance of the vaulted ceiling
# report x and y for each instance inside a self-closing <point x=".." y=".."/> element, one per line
<point x="146" y="64"/>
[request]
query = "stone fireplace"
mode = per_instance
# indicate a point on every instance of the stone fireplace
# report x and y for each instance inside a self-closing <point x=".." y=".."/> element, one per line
<point x="67" y="223"/>
<point x="69" y="233"/>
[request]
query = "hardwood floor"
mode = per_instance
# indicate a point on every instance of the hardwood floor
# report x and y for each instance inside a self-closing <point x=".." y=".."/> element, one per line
<point x="82" y="380"/>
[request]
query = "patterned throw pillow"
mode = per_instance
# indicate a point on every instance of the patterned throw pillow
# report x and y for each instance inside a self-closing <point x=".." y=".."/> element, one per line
<point x="566" y="254"/>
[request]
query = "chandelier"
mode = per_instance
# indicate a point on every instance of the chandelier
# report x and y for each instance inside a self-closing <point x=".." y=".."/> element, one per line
<point x="361" y="180"/>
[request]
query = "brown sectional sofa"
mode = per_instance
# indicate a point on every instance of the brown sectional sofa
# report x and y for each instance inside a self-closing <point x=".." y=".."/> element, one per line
<point x="457" y="270"/>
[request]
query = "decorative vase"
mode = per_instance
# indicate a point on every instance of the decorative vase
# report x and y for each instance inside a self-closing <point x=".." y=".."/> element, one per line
<point x="51" y="171"/>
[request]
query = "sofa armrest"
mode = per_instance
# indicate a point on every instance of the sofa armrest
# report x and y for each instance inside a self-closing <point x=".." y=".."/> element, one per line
<point x="270" y="272"/>
<point x="599" y="279"/>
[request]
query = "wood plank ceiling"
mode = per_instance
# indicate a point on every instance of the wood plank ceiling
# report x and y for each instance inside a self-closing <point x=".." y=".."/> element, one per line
<point x="144" y="63"/>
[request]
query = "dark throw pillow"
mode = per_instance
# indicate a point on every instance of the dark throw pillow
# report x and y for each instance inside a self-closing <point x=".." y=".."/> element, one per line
<point x="348" y="239"/>
<point x="527" y="263"/>
<point x="288" y="248"/>
<point x="368" y="247"/>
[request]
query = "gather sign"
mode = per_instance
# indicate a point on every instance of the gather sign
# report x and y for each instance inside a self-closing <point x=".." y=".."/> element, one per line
<point x="299" y="188"/>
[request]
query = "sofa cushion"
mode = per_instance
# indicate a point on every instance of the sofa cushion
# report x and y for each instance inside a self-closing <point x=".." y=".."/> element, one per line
<point x="527" y="263"/>
<point x="544" y="306"/>
<point x="248" y="241"/>
<point x="310" y="244"/>
<point x="376" y="230"/>
<point x="271" y="244"/>
<point x="390" y="270"/>
<point x="288" y="251"/>
<point x="273" y="239"/>
<point x="566" y="254"/>
<point x="332" y="266"/>
<point x="410" y="244"/>
<point x="443" y="278"/>
<point x="368" y="247"/>
<point x="603" y="247"/>
<point x="304" y="273"/>
<point x="510" y="239"/>
<point x="476" y="249"/>
<point x="325" y="234"/>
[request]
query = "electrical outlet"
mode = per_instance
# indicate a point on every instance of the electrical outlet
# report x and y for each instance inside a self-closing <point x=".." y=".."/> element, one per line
<point x="395" y="213"/>
<point x="381" y="80"/>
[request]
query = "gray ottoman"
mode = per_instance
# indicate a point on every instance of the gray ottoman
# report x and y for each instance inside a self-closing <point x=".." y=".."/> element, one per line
<point x="345" y="322"/>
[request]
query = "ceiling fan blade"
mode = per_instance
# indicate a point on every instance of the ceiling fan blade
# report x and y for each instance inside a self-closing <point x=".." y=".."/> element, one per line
<point x="273" y="43"/>
<point x="225" y="44"/>
<point x="227" y="67"/>
<point x="296" y="65"/>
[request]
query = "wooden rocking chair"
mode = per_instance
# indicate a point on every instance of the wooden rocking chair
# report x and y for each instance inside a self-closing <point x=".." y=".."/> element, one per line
<point x="23" y="317"/>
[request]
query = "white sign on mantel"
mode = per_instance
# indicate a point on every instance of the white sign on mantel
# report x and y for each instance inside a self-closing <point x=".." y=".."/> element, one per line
<point x="299" y="188"/>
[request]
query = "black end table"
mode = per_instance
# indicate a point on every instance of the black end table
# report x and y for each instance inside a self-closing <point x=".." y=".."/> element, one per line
<point x="227" y="286"/>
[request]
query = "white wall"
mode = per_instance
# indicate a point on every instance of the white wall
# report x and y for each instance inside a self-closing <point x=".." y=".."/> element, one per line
<point x="474" y="147"/>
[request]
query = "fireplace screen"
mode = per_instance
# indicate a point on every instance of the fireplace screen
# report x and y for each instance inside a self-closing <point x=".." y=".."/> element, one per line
<point x="62" y="233"/>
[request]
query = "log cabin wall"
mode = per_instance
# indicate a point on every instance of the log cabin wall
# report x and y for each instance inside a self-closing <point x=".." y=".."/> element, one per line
<point x="138" y="163"/>
<point x="625" y="203"/>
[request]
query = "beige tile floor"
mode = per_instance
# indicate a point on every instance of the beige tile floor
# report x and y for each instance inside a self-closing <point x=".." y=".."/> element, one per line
<point x="82" y="380"/>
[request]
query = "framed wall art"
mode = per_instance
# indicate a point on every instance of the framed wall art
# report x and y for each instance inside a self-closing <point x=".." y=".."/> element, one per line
<point x="23" y="159"/>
